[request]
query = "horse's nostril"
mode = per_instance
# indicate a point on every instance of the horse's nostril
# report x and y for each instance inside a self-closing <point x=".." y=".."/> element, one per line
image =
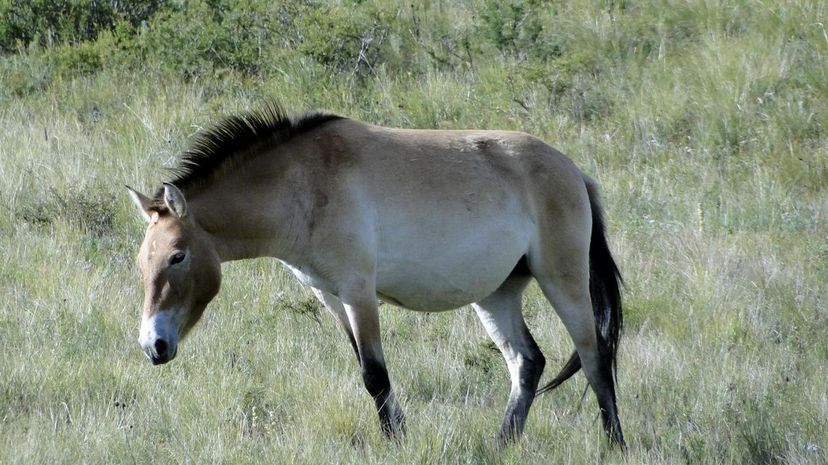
<point x="160" y="347"/>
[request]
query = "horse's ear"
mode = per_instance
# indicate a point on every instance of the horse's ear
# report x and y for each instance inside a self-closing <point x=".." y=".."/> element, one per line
<point x="141" y="201"/>
<point x="175" y="201"/>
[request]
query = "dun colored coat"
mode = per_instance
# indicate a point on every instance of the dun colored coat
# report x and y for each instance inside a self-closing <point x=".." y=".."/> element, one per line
<point x="427" y="220"/>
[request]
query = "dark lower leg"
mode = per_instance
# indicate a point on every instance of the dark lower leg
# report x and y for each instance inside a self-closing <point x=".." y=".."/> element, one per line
<point x="520" y="399"/>
<point x="375" y="376"/>
<point x="605" y="392"/>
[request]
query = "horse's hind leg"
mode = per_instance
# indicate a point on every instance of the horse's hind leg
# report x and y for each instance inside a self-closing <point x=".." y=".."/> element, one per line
<point x="563" y="276"/>
<point x="501" y="315"/>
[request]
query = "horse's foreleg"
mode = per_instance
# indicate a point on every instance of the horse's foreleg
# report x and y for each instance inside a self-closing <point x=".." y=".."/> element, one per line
<point x="363" y="316"/>
<point x="501" y="315"/>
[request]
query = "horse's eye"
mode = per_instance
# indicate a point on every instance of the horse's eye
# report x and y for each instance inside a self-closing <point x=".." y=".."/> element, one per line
<point x="177" y="257"/>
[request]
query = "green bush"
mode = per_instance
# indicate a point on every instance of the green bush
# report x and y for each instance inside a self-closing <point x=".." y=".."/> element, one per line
<point x="516" y="27"/>
<point x="81" y="59"/>
<point x="201" y="36"/>
<point x="344" y="39"/>
<point x="48" y="22"/>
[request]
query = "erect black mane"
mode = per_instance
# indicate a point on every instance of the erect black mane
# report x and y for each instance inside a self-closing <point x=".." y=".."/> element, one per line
<point x="233" y="138"/>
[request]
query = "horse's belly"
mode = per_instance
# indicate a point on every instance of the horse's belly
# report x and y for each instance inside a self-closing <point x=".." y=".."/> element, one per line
<point x="441" y="275"/>
<point x="429" y="291"/>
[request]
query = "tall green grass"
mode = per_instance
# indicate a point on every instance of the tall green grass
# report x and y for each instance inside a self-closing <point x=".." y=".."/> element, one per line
<point x="703" y="121"/>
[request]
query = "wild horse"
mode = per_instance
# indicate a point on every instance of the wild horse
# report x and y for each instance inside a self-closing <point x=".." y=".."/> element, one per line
<point x="428" y="220"/>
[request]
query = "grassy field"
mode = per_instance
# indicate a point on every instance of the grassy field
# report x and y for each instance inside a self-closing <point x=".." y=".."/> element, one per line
<point x="704" y="121"/>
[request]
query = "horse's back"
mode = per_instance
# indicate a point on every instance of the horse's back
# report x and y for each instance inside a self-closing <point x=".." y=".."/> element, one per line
<point x="445" y="165"/>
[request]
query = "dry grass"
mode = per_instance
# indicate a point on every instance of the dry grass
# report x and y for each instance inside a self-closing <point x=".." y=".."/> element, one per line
<point x="712" y="152"/>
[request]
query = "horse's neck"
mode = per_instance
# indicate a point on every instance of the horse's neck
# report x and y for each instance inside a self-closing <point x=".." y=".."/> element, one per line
<point x="243" y="226"/>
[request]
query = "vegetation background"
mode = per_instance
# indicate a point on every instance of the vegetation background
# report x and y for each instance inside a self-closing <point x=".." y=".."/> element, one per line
<point x="705" y="122"/>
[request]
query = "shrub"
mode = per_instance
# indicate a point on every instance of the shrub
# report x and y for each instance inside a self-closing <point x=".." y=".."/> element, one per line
<point x="48" y="22"/>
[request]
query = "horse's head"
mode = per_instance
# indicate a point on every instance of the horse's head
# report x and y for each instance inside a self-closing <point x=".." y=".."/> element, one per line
<point x="181" y="272"/>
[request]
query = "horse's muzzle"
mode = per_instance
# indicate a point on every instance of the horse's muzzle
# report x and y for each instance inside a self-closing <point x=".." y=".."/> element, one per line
<point x="160" y="352"/>
<point x="159" y="337"/>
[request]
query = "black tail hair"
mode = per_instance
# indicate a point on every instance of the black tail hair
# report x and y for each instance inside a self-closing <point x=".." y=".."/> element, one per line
<point x="605" y="290"/>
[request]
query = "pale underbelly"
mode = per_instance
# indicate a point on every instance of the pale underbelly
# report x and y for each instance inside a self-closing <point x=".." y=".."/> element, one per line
<point x="434" y="265"/>
<point x="432" y="283"/>
<point x="420" y="293"/>
<point x="443" y="281"/>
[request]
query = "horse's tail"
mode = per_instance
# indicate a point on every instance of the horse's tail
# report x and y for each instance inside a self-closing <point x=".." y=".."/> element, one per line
<point x="604" y="288"/>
